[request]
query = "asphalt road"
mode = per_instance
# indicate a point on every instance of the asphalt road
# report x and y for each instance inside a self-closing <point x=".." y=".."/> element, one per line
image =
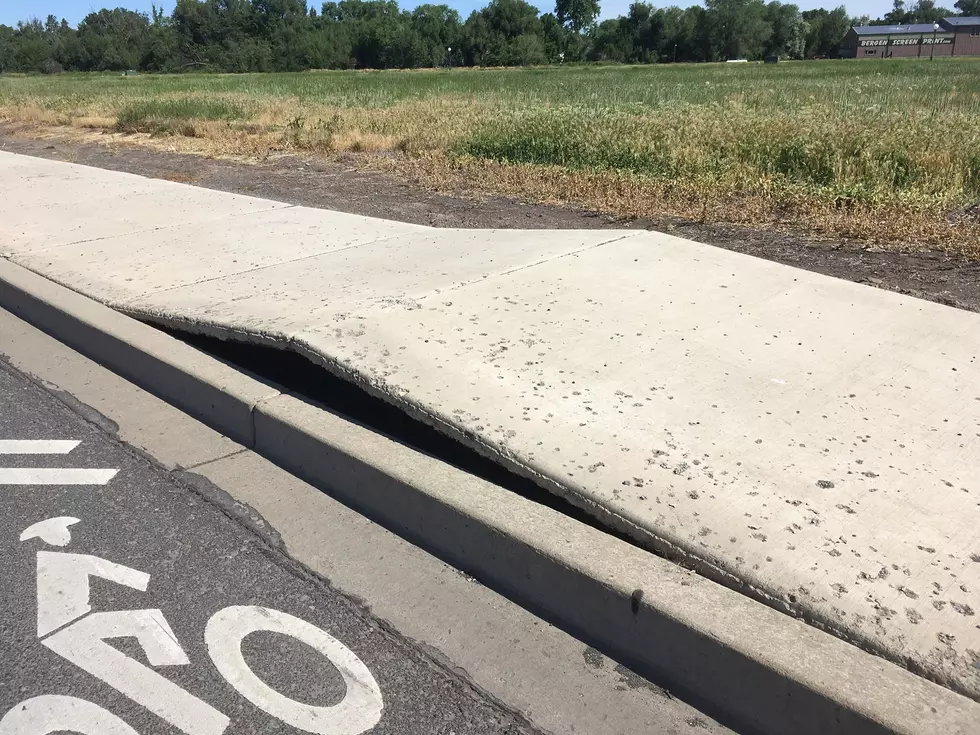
<point x="153" y="642"/>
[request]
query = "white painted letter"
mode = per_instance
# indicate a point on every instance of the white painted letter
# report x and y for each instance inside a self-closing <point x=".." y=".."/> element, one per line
<point x="83" y="643"/>
<point x="361" y="707"/>
<point x="55" y="713"/>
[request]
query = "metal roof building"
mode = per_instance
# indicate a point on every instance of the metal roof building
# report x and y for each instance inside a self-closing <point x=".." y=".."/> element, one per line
<point x="967" y="20"/>
<point x="895" y="30"/>
<point x="956" y="36"/>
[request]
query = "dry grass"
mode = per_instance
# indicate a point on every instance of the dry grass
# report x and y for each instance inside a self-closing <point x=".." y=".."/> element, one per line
<point x="884" y="152"/>
<point x="896" y="227"/>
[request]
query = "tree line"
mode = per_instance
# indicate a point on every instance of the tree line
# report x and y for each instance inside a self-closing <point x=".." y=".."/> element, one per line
<point x="289" y="35"/>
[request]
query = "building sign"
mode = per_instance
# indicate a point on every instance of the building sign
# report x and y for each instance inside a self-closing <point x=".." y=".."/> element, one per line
<point x="906" y="41"/>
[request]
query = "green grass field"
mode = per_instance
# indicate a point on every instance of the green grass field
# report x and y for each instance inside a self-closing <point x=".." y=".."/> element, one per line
<point x="886" y="151"/>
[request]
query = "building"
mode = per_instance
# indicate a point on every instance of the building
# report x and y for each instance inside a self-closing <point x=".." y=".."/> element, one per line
<point x="966" y="34"/>
<point x="953" y="37"/>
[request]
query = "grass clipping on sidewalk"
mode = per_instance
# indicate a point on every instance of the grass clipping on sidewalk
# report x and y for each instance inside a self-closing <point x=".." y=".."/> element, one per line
<point x="885" y="152"/>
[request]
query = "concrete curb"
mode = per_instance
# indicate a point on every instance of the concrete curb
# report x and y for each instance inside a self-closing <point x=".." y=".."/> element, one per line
<point x="740" y="661"/>
<point x="201" y="386"/>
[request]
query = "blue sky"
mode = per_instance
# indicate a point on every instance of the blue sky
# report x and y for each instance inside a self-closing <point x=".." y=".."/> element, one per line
<point x="74" y="10"/>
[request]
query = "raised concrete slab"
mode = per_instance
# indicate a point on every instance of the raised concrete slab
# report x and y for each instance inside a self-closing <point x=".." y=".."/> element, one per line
<point x="813" y="442"/>
<point x="532" y="666"/>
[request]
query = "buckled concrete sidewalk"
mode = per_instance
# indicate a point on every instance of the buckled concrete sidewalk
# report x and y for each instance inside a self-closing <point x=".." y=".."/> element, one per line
<point x="810" y="442"/>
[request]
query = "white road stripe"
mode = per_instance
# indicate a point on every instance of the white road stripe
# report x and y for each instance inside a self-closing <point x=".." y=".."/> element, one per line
<point x="34" y="446"/>
<point x="54" y="476"/>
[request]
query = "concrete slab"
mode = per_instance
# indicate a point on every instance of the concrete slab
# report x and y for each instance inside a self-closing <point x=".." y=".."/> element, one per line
<point x="331" y="288"/>
<point x="813" y="442"/>
<point x="760" y="669"/>
<point x="123" y="268"/>
<point x="50" y="203"/>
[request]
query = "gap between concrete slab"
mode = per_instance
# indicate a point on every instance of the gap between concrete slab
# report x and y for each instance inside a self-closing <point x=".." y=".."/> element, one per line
<point x="568" y="687"/>
<point x="546" y="490"/>
<point x="298" y="376"/>
<point x="207" y="462"/>
<point x="281" y="263"/>
<point x="242" y="350"/>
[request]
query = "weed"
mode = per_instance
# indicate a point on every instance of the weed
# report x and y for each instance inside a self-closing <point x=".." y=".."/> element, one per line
<point x="172" y="115"/>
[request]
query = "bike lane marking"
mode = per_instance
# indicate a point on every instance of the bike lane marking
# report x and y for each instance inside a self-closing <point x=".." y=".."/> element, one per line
<point x="63" y="602"/>
<point x="67" y="626"/>
<point x="83" y="643"/>
<point x="48" y="475"/>
<point x="54" y="476"/>
<point x="200" y="563"/>
<point x="50" y="713"/>
<point x="37" y="446"/>
<point x="63" y="586"/>
<point x="52" y="531"/>
<point x="63" y="599"/>
<point x="357" y="712"/>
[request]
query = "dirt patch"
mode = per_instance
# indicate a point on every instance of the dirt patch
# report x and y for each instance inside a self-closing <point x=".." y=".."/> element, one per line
<point x="345" y="184"/>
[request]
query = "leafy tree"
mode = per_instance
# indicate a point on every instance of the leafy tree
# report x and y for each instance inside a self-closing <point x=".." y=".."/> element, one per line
<point x="645" y="24"/>
<point x="610" y="43"/>
<point x="925" y="11"/>
<point x="826" y="29"/>
<point x="280" y="35"/>
<point x="739" y="29"/>
<point x="525" y="50"/>
<point x="490" y="35"/>
<point x="686" y="34"/>
<point x="789" y="30"/>
<point x="7" y="39"/>
<point x="29" y="49"/>
<point x="554" y="36"/>
<point x="898" y="15"/>
<point x="577" y="14"/>
<point x="112" y="40"/>
<point x="437" y="28"/>
<point x="637" y="37"/>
